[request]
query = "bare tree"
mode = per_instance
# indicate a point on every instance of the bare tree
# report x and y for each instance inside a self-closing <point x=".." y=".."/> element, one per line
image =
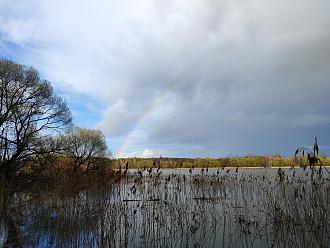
<point x="84" y="146"/>
<point x="30" y="112"/>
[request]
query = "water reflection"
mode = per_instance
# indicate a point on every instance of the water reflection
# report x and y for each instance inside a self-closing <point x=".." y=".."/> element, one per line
<point x="176" y="208"/>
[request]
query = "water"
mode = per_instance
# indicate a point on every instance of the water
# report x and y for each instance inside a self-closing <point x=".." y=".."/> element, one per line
<point x="178" y="208"/>
<point x="232" y="171"/>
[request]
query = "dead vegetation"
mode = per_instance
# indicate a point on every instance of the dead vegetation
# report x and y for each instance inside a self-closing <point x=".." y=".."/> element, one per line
<point x="172" y="209"/>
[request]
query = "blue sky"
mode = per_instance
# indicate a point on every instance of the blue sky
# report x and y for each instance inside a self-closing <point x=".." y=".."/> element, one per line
<point x="179" y="78"/>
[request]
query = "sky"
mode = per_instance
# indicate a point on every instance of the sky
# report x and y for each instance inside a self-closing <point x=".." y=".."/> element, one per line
<point x="183" y="78"/>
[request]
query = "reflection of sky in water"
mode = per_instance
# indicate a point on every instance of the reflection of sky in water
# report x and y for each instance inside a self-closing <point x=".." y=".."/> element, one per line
<point x="3" y="235"/>
<point x="267" y="172"/>
<point x="176" y="210"/>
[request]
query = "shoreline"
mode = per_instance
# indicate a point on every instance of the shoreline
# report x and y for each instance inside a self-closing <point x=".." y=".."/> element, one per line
<point x="231" y="167"/>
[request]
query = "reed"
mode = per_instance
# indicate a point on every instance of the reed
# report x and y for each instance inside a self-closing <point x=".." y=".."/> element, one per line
<point x="173" y="209"/>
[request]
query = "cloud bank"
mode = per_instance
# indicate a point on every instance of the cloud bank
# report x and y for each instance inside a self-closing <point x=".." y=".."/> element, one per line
<point x="184" y="78"/>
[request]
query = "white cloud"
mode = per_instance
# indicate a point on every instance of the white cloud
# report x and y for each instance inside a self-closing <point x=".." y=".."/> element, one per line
<point x="144" y="154"/>
<point x="117" y="119"/>
<point x="197" y="73"/>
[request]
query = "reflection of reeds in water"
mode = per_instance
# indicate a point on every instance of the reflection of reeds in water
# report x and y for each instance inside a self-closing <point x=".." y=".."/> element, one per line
<point x="170" y="210"/>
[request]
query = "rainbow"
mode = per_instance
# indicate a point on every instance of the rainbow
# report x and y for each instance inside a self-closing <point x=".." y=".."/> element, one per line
<point x="130" y="135"/>
<point x="174" y="84"/>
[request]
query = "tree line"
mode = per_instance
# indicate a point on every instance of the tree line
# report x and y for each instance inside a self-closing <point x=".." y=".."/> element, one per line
<point x="36" y="125"/>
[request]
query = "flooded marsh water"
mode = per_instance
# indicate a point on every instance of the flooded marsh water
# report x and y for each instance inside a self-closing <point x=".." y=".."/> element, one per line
<point x="177" y="208"/>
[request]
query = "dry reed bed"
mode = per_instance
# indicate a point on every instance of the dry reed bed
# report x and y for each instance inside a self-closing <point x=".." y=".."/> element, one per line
<point x="155" y="210"/>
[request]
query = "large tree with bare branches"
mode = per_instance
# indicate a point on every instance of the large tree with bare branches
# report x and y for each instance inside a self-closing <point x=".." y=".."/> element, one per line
<point x="30" y="113"/>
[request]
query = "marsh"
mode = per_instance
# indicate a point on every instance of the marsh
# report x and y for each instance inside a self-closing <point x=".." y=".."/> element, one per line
<point x="175" y="208"/>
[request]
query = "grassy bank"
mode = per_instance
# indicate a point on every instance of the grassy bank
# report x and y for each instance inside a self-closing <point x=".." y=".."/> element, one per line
<point x="241" y="162"/>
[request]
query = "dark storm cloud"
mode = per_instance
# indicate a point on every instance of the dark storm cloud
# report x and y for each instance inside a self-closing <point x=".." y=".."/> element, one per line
<point x="188" y="77"/>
